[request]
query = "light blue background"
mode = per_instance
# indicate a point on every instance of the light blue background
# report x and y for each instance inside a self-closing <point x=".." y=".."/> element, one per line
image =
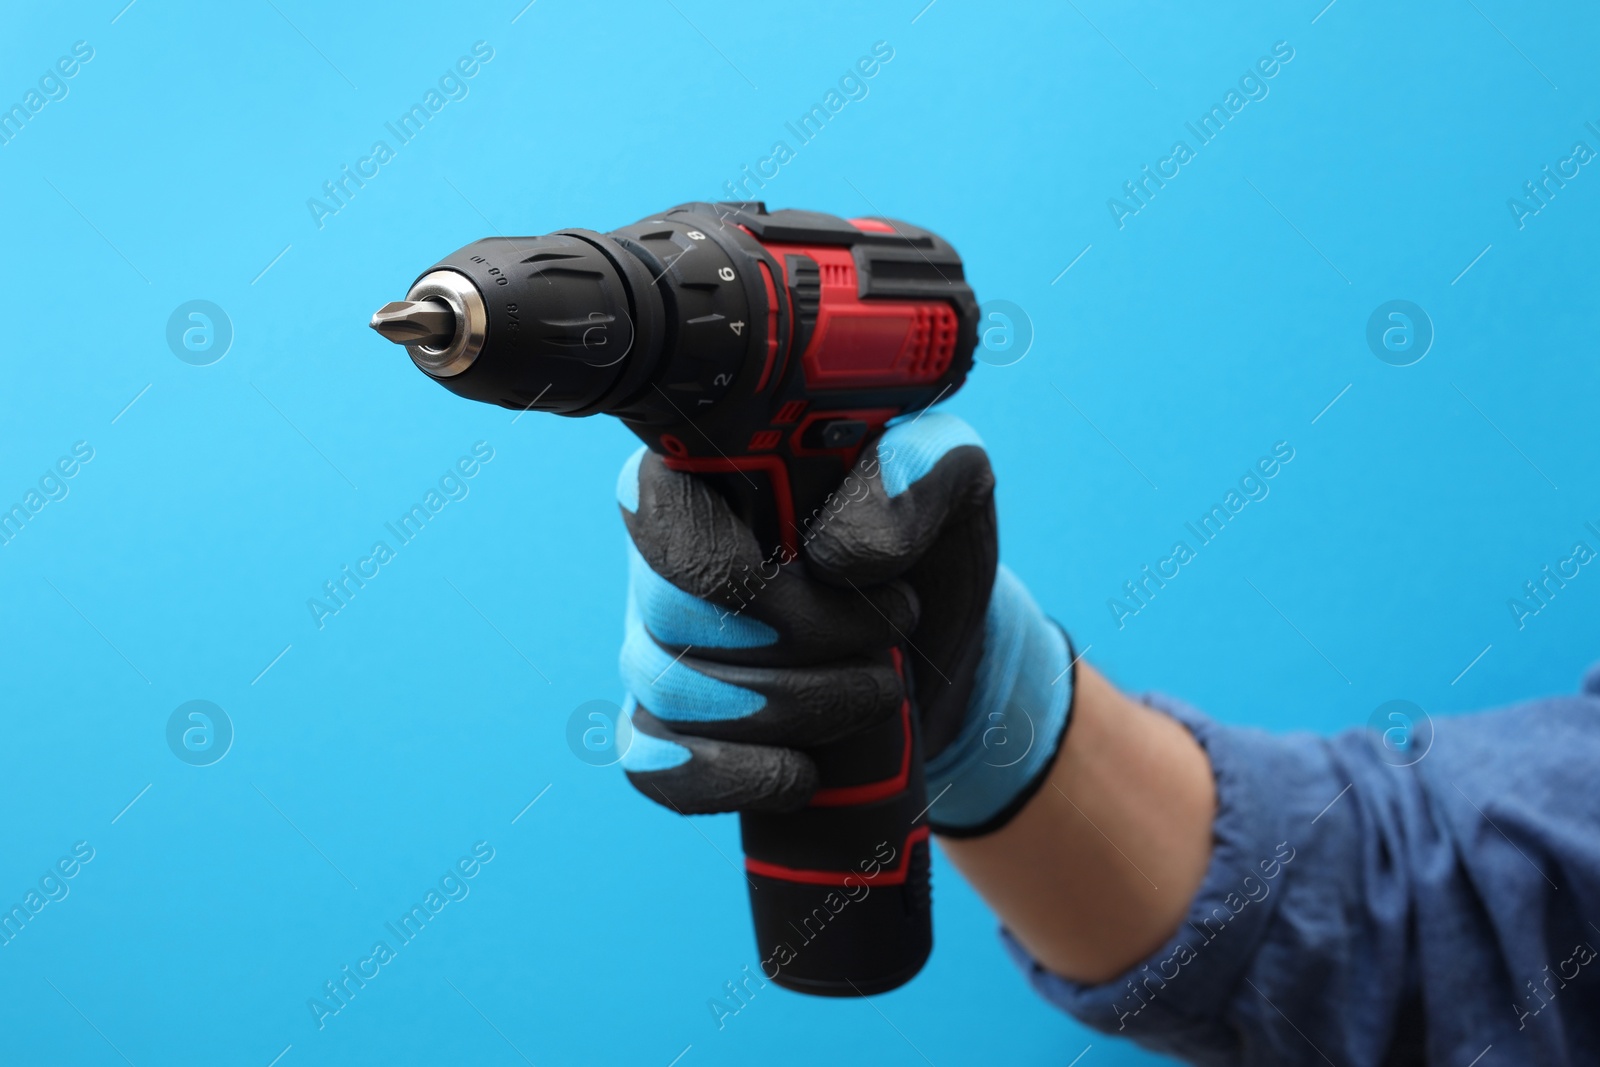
<point x="416" y="722"/>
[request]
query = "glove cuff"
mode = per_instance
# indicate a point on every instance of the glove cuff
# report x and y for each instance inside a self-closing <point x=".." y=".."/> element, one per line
<point x="1021" y="705"/>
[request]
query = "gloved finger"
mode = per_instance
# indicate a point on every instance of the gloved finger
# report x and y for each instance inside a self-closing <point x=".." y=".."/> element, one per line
<point x="700" y="776"/>
<point x="922" y="512"/>
<point x="798" y="707"/>
<point x="923" y="480"/>
<point x="700" y="579"/>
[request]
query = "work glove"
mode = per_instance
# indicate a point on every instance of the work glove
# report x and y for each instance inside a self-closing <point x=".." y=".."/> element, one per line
<point x="738" y="659"/>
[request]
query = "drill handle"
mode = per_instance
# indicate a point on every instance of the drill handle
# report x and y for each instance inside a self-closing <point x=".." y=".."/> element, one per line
<point x="839" y="891"/>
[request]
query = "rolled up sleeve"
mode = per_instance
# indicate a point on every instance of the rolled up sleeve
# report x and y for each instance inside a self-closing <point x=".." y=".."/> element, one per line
<point x="1359" y="912"/>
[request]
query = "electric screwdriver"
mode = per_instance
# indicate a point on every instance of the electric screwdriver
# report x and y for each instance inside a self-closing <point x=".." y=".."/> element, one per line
<point x="762" y="351"/>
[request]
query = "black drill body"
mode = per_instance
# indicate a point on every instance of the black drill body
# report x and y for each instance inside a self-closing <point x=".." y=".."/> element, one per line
<point x="762" y="351"/>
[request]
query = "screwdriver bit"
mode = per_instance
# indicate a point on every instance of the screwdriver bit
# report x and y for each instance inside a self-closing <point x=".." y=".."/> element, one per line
<point x="416" y="322"/>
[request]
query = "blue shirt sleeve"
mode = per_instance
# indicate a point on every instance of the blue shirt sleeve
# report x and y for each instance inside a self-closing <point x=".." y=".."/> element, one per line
<point x="1356" y="912"/>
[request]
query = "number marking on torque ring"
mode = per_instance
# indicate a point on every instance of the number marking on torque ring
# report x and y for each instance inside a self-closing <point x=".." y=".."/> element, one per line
<point x="725" y="273"/>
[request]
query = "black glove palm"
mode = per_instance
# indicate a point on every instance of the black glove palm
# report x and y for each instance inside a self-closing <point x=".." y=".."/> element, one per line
<point x="740" y="660"/>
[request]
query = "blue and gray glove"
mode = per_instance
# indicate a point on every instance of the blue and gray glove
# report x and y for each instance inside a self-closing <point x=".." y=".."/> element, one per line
<point x="738" y="660"/>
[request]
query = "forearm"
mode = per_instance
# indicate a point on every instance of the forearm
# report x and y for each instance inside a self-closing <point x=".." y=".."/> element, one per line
<point x="1099" y="868"/>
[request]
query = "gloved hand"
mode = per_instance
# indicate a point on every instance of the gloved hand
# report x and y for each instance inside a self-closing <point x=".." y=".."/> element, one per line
<point x="738" y="660"/>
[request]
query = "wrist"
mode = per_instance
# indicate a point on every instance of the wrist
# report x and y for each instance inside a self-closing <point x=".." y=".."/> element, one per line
<point x="1015" y="720"/>
<point x="1098" y="870"/>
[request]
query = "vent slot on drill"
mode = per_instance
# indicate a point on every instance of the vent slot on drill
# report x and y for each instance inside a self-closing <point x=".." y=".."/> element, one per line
<point x="838" y="274"/>
<point x="931" y="343"/>
<point x="789" y="413"/>
<point x="765" y="440"/>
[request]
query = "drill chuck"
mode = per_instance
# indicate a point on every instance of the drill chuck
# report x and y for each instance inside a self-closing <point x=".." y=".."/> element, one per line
<point x="560" y="309"/>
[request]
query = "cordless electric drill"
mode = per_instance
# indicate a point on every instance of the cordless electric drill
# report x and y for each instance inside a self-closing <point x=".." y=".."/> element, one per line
<point x="762" y="351"/>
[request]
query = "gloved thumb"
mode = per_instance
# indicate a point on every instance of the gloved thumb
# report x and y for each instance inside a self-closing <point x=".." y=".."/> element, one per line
<point x="924" y="478"/>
